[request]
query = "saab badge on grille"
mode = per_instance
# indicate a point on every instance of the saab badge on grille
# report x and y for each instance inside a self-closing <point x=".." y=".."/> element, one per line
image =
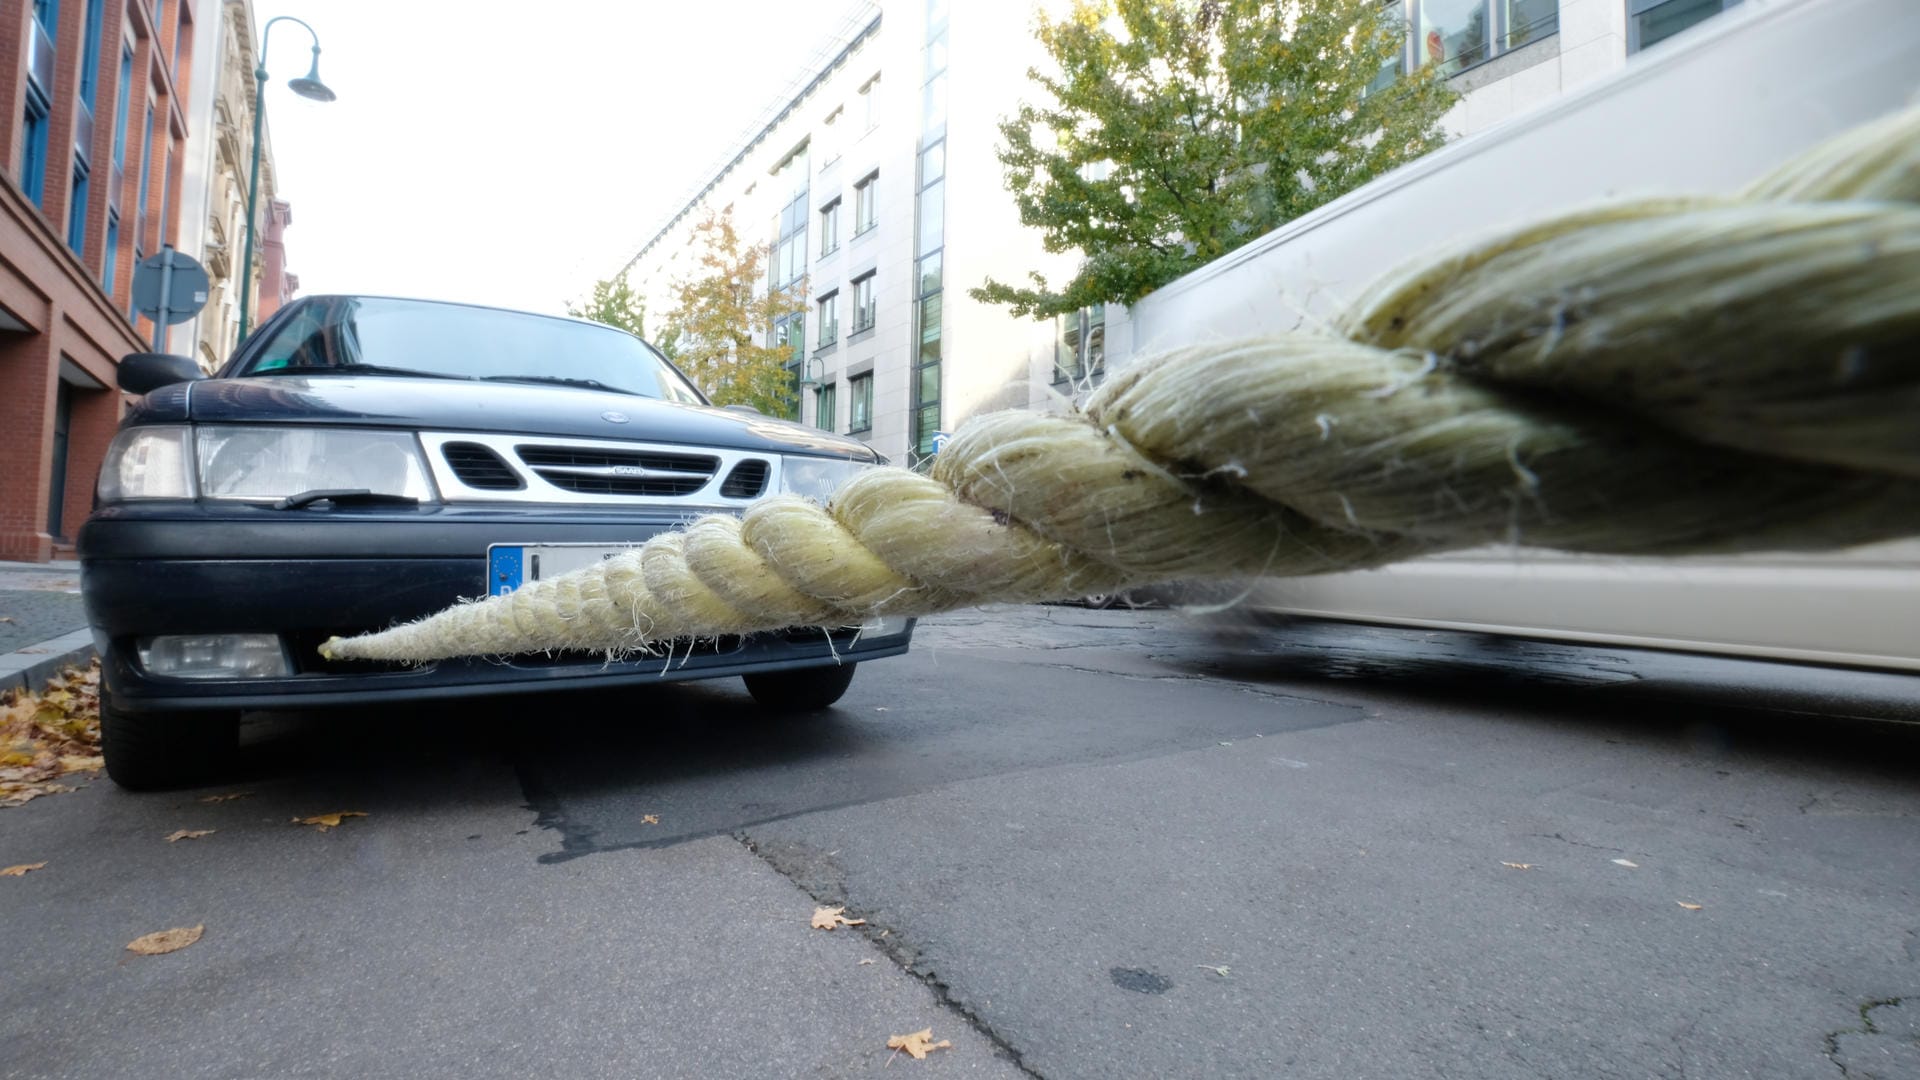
<point x="612" y="417"/>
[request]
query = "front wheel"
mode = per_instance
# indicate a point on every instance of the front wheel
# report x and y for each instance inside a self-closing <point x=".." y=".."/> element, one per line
<point x="800" y="690"/>
<point x="152" y="751"/>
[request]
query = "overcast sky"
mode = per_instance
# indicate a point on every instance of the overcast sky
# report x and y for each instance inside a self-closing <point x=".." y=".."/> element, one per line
<point x="511" y="153"/>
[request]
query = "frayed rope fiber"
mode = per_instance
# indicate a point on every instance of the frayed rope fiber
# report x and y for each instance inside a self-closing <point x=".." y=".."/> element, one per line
<point x="1662" y="377"/>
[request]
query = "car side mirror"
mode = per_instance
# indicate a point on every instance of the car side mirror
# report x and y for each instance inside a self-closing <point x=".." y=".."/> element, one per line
<point x="145" y="372"/>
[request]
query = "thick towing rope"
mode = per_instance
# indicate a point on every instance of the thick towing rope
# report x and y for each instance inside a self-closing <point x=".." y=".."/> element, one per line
<point x="1661" y="377"/>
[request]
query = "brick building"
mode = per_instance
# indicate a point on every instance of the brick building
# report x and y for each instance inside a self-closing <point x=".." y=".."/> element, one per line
<point x="92" y="122"/>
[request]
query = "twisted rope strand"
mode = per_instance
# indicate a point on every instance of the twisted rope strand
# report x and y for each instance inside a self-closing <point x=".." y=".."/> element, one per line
<point x="1660" y="377"/>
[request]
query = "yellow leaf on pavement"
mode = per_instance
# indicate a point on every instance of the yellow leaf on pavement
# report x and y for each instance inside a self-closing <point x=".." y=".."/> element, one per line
<point x="323" y="822"/>
<point x="918" y="1044"/>
<point x="650" y="819"/>
<point x="1689" y="907"/>
<point x="81" y="762"/>
<point x="166" y="941"/>
<point x="21" y="870"/>
<point x="228" y="797"/>
<point x="187" y="834"/>
<point x="827" y="918"/>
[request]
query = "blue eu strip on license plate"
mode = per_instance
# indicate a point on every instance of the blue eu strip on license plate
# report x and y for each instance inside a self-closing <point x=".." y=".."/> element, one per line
<point x="503" y="569"/>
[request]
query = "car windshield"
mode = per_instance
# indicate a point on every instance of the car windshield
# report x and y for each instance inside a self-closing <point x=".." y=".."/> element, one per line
<point x="398" y="337"/>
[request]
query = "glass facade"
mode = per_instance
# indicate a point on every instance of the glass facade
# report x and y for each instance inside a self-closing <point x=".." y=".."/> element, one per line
<point x="930" y="217"/>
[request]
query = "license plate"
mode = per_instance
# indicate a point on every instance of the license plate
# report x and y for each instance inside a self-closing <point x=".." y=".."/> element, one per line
<point x="510" y="566"/>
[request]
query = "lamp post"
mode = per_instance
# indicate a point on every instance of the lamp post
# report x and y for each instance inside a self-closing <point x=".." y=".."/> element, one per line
<point x="308" y="86"/>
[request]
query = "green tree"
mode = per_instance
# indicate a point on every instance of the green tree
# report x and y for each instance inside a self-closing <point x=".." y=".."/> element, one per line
<point x="614" y="302"/>
<point x="720" y="319"/>
<point x="1174" y="131"/>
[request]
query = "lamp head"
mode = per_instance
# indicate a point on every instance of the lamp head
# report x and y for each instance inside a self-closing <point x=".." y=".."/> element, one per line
<point x="309" y="85"/>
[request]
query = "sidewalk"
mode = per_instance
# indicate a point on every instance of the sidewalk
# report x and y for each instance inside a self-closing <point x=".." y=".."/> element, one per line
<point x="43" y="626"/>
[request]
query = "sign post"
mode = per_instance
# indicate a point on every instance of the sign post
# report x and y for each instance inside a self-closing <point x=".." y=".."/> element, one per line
<point x="169" y="288"/>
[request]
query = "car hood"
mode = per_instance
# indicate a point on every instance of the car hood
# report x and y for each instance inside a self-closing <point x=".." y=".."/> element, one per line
<point x="514" y="408"/>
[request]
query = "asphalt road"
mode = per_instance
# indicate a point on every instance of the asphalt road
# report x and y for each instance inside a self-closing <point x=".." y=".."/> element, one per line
<point x="1086" y="844"/>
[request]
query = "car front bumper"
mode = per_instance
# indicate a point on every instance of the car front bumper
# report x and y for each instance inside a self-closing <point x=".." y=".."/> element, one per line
<point x="185" y="568"/>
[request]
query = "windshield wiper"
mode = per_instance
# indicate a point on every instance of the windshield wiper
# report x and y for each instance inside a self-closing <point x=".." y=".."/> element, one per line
<point x="562" y="380"/>
<point x="356" y="369"/>
<point x="345" y="497"/>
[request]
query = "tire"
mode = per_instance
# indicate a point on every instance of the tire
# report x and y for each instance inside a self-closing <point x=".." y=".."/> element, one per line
<point x="1100" y="601"/>
<point x="800" y="690"/>
<point x="155" y="751"/>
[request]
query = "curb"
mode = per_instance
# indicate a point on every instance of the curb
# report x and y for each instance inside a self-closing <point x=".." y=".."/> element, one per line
<point x="34" y="665"/>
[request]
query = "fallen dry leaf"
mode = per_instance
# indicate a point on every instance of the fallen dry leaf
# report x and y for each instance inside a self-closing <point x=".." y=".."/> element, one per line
<point x="46" y="735"/>
<point x="7" y="619"/>
<point x="323" y="822"/>
<point x="228" y="797"/>
<point x="1689" y="907"/>
<point x="1517" y="865"/>
<point x="1222" y="970"/>
<point x="827" y="918"/>
<point x="650" y="819"/>
<point x="21" y="870"/>
<point x="187" y="834"/>
<point x="1628" y="863"/>
<point x="166" y="941"/>
<point x="865" y="962"/>
<point x="918" y="1044"/>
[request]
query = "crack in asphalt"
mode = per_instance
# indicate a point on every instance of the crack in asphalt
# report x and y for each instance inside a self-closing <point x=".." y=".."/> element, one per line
<point x="1867" y="1027"/>
<point x="896" y="947"/>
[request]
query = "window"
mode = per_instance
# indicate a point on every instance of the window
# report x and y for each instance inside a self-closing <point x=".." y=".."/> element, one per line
<point x="1453" y="35"/>
<point x="113" y="250"/>
<point x="870" y="104"/>
<point x="137" y="256"/>
<point x="146" y="171"/>
<point x="865" y="195"/>
<point x="830" y="133"/>
<point x="1649" y="22"/>
<point x="863" y="307"/>
<point x="77" y="208"/>
<point x="829" y="319"/>
<point x="830" y="228"/>
<point x="824" y="407"/>
<point x="1080" y="347"/>
<point x="1528" y="20"/>
<point x="33" y="146"/>
<point x="90" y="57"/>
<point x="860" y="404"/>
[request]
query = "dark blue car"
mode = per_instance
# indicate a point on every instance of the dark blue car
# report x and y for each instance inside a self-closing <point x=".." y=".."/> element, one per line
<point x="361" y="461"/>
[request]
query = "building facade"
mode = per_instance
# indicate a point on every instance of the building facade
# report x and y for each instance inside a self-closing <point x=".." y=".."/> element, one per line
<point x="881" y="196"/>
<point x="93" y="124"/>
<point x="220" y="152"/>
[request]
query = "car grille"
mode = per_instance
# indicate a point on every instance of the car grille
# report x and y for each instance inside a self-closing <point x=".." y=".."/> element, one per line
<point x="597" y="471"/>
<point x="747" y="480"/>
<point x="486" y="467"/>
<point x="478" y="466"/>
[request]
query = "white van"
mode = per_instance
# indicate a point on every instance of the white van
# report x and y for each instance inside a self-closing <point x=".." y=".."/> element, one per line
<point x="1747" y="91"/>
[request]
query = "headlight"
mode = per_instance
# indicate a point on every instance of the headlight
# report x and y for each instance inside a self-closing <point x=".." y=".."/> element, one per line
<point x="147" y="463"/>
<point x="817" y="478"/>
<point x="263" y="463"/>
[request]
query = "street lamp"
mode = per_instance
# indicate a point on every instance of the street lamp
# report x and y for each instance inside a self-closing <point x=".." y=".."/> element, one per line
<point x="308" y="86"/>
